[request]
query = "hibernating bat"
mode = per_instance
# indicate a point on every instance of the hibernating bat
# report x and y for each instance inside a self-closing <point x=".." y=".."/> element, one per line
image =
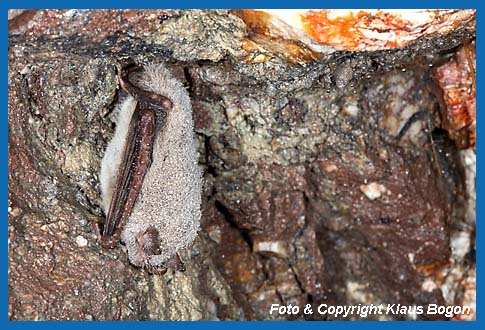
<point x="150" y="178"/>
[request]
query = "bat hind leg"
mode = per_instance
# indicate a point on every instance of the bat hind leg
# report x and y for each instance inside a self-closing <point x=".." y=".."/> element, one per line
<point x="148" y="243"/>
<point x="175" y="263"/>
<point x="156" y="270"/>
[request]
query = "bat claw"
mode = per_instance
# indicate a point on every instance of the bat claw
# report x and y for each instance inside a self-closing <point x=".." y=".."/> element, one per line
<point x="175" y="263"/>
<point x="156" y="270"/>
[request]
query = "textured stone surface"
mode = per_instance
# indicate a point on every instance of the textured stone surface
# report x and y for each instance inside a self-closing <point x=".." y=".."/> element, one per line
<point x="286" y="149"/>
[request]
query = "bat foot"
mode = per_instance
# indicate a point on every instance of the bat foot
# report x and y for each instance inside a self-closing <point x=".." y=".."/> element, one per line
<point x="175" y="263"/>
<point x="156" y="270"/>
<point x="129" y="79"/>
<point x="148" y="243"/>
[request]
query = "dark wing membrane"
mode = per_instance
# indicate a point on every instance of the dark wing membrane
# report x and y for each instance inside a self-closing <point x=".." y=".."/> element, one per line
<point x="136" y="160"/>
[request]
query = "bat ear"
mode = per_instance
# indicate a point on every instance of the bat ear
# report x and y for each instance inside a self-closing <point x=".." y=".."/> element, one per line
<point x="175" y="263"/>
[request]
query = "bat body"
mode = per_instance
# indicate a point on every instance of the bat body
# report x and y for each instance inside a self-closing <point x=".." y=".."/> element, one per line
<point x="150" y="178"/>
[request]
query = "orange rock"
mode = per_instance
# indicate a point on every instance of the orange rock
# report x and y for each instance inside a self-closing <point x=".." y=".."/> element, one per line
<point x="456" y="93"/>
<point x="326" y="30"/>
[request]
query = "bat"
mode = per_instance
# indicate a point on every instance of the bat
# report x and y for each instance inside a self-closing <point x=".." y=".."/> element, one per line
<point x="150" y="178"/>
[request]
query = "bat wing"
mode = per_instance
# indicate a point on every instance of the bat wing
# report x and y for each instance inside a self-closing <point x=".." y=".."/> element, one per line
<point x="136" y="160"/>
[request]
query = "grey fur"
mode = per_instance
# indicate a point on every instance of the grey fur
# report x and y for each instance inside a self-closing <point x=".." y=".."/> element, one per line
<point x="171" y="193"/>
